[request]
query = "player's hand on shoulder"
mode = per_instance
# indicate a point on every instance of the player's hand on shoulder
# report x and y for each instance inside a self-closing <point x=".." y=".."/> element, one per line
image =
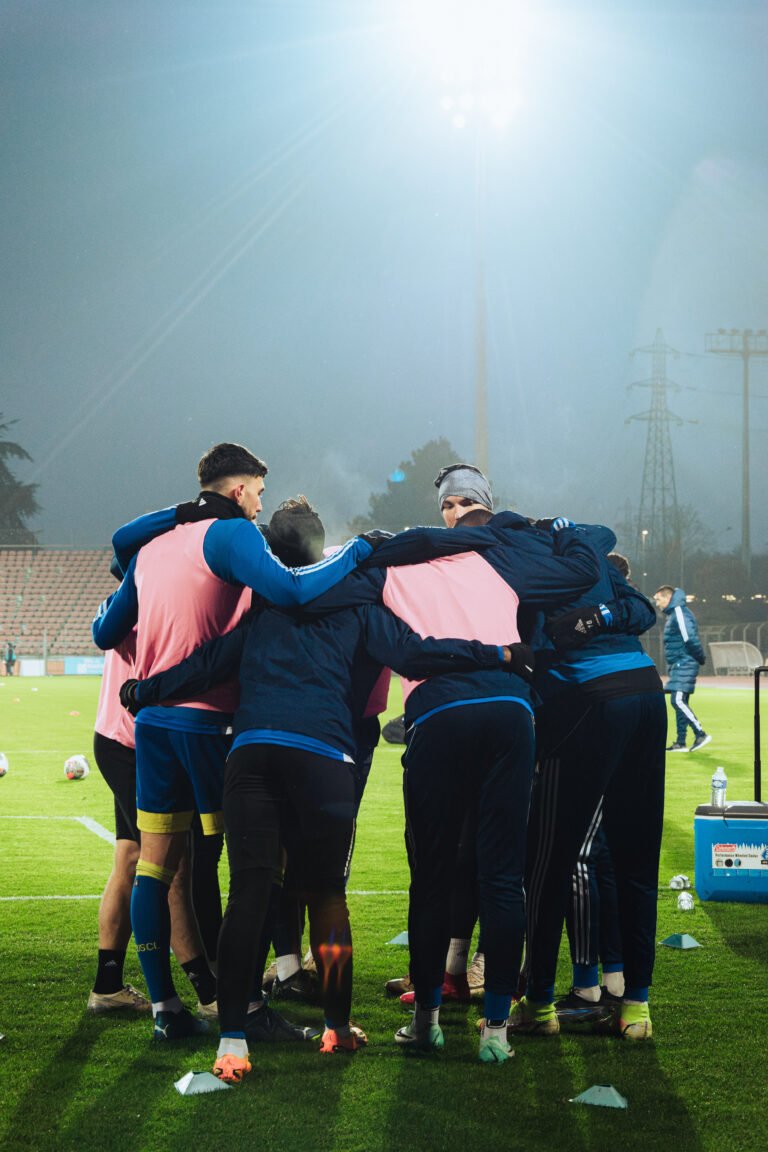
<point x="376" y="537"/>
<point x="576" y="628"/>
<point x="553" y="523"/>
<point x="128" y="697"/>
<point x="520" y="659"/>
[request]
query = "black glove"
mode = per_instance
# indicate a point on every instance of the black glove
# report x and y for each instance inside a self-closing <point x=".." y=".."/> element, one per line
<point x="523" y="661"/>
<point x="128" y="697"/>
<point x="577" y="628"/>
<point x="376" y="537"/>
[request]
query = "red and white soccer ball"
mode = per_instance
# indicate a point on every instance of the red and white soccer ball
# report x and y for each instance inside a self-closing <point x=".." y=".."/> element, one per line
<point x="3" y="764"/>
<point x="76" y="768"/>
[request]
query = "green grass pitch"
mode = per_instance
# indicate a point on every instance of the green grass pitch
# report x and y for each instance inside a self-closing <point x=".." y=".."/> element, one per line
<point x="70" y="1081"/>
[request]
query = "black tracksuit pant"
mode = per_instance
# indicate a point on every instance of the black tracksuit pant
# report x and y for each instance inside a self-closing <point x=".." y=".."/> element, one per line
<point x="472" y="755"/>
<point x="278" y="798"/>
<point x="591" y="750"/>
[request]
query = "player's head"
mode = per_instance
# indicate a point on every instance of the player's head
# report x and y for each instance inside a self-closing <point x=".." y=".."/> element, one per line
<point x="461" y="488"/>
<point x="663" y="595"/>
<point x="620" y="563"/>
<point x="233" y="471"/>
<point x="296" y="534"/>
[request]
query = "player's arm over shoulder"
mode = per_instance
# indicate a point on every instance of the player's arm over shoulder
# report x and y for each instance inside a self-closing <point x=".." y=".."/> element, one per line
<point x="236" y="551"/>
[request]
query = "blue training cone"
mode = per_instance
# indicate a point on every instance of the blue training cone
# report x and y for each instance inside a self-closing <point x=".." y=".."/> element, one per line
<point x="401" y="940"/>
<point x="601" y="1096"/>
<point x="681" y="940"/>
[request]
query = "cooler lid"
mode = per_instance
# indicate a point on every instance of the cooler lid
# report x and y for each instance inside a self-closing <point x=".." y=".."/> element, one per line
<point x="738" y="810"/>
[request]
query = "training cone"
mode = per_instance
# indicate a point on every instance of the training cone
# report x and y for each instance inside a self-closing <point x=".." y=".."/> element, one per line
<point x="401" y="940"/>
<point x="601" y="1096"/>
<point x="680" y="940"/>
<point x="195" y="1083"/>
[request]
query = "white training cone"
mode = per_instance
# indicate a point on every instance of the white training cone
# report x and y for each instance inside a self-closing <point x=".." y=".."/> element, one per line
<point x="195" y="1083"/>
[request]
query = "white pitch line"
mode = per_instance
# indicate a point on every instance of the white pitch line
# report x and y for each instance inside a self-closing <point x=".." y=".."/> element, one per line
<point x="86" y="821"/>
<point x="105" y="834"/>
<point x="16" y="899"/>
<point x="96" y="828"/>
<point x="381" y="892"/>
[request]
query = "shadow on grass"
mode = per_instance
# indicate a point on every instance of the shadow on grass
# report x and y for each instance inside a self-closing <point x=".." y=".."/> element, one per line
<point x="127" y="1100"/>
<point x="656" y="1115"/>
<point x="52" y="1092"/>
<point x="290" y="1101"/>
<point x="449" y="1099"/>
<point x="743" y="927"/>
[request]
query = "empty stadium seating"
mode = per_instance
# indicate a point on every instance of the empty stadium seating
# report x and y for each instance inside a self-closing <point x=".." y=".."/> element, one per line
<point x="48" y="598"/>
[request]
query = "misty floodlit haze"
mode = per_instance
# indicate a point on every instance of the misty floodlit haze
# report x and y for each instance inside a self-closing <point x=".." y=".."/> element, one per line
<point x="258" y="222"/>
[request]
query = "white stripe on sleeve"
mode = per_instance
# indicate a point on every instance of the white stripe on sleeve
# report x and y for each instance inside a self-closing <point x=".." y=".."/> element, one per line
<point x="681" y="623"/>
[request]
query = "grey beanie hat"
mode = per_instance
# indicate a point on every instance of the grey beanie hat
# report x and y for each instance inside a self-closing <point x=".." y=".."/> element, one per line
<point x="464" y="480"/>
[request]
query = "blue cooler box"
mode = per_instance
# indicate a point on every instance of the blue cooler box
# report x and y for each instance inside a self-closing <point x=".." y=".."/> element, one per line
<point x="731" y="852"/>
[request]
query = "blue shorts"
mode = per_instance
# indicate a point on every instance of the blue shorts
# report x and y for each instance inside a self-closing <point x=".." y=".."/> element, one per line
<point x="178" y="773"/>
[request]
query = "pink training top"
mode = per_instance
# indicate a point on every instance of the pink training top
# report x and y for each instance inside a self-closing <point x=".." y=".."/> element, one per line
<point x="377" y="701"/>
<point x="182" y="604"/>
<point x="112" y="720"/>
<point x="457" y="596"/>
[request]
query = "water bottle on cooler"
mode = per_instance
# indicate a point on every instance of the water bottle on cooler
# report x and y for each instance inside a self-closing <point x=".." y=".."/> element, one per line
<point x="719" y="785"/>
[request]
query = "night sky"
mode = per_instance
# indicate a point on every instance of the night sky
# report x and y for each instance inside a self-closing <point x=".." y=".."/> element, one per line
<point x="257" y="222"/>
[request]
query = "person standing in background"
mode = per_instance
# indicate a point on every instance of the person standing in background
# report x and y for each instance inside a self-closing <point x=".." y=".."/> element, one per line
<point x="683" y="653"/>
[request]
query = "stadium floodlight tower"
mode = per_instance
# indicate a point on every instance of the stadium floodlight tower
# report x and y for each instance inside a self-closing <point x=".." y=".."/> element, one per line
<point x="475" y="48"/>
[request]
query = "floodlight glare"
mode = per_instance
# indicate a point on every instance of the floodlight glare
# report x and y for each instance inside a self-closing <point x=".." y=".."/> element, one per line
<point x="478" y="50"/>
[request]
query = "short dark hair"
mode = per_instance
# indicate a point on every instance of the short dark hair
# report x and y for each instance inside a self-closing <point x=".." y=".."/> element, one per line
<point x="620" y="562"/>
<point x="474" y="519"/>
<point x="665" y="588"/>
<point x="228" y="460"/>
<point x="296" y="534"/>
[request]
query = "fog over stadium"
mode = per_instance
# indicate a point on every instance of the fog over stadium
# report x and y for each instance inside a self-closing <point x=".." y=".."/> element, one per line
<point x="259" y="222"/>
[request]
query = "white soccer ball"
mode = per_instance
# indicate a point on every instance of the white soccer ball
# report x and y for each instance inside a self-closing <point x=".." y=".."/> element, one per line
<point x="76" y="768"/>
<point x="3" y="764"/>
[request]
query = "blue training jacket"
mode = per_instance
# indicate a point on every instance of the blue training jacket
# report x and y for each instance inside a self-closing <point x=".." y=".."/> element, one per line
<point x="614" y="663"/>
<point x="544" y="570"/>
<point x="682" y="647"/>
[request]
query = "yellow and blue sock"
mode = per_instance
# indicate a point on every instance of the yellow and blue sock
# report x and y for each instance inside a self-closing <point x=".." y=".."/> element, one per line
<point x="151" y="922"/>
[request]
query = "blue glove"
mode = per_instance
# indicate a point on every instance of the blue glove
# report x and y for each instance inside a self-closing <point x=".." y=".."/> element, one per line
<point x="553" y="524"/>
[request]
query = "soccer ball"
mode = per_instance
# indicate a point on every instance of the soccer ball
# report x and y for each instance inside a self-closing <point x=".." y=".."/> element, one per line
<point x="76" y="768"/>
<point x="3" y="764"/>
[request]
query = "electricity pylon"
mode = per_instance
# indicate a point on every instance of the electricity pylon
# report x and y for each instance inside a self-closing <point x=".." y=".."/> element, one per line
<point x="657" y="531"/>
